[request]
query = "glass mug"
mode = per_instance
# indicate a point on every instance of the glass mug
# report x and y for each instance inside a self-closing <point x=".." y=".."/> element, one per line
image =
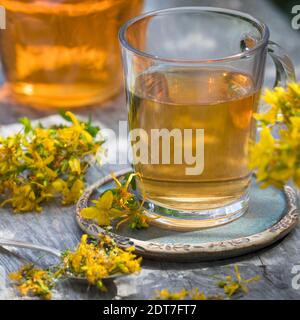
<point x="193" y="80"/>
<point x="63" y="53"/>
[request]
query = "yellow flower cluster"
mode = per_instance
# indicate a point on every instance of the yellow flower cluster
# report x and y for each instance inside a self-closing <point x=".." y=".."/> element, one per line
<point x="97" y="260"/>
<point x="39" y="163"/>
<point x="230" y="285"/>
<point x="92" y="260"/>
<point x="165" y="294"/>
<point x="276" y="156"/>
<point x="31" y="281"/>
<point x="183" y="294"/>
<point x="118" y="203"/>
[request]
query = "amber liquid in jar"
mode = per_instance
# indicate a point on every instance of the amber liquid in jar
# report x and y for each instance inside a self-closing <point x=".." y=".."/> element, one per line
<point x="63" y="53"/>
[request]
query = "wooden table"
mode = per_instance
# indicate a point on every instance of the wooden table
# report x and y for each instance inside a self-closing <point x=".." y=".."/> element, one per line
<point x="57" y="227"/>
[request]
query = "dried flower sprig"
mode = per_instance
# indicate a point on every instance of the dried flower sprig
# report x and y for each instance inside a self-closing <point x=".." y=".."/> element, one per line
<point x="119" y="203"/>
<point x="277" y="160"/>
<point x="230" y="286"/>
<point x="183" y="294"/>
<point x="92" y="260"/>
<point x="32" y="281"/>
<point x="96" y="260"/>
<point x="165" y="294"/>
<point x="38" y="164"/>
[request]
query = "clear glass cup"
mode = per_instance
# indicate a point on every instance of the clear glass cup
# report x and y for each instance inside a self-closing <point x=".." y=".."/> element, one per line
<point x="63" y="53"/>
<point x="193" y="80"/>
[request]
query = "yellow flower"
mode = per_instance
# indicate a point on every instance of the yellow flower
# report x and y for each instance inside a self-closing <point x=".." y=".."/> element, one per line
<point x="79" y="128"/>
<point x="91" y="260"/>
<point x="33" y="281"/>
<point x="276" y="160"/>
<point x="42" y="165"/>
<point x="273" y="97"/>
<point x="74" y="193"/>
<point x="165" y="294"/>
<point x="196" y="294"/>
<point x="96" y="261"/>
<point x="60" y="186"/>
<point x="118" y="203"/>
<point x="75" y="166"/>
<point x="103" y="211"/>
<point x="15" y="276"/>
<point x="39" y="164"/>
<point x="44" y="136"/>
<point x="23" y="199"/>
<point x="232" y="286"/>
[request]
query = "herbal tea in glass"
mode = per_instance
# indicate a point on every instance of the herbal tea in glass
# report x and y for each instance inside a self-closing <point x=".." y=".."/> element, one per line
<point x="192" y="90"/>
<point x="219" y="101"/>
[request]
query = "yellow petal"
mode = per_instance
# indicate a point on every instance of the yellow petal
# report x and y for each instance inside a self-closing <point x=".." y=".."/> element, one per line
<point x="90" y="213"/>
<point x="103" y="219"/>
<point x="106" y="200"/>
<point x="74" y="193"/>
<point x="59" y="185"/>
<point x="115" y="213"/>
<point x="87" y="136"/>
<point x="75" y="165"/>
<point x="73" y="118"/>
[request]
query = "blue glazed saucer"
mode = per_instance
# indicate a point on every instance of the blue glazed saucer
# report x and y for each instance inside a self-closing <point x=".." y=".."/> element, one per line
<point x="272" y="214"/>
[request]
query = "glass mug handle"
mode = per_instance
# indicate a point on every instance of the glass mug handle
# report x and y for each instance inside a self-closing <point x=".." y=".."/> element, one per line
<point x="285" y="71"/>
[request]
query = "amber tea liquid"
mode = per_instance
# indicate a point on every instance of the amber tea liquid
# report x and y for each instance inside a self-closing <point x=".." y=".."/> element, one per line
<point x="220" y="101"/>
<point x="63" y="53"/>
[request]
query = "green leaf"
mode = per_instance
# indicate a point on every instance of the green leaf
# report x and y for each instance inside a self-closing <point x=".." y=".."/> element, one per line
<point x="92" y="130"/>
<point x="26" y="123"/>
<point x="62" y="113"/>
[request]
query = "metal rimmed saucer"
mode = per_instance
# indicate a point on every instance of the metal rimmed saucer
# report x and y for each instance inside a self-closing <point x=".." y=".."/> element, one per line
<point x="272" y="215"/>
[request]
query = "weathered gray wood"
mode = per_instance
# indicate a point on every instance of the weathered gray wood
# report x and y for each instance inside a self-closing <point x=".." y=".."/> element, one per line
<point x="57" y="227"/>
